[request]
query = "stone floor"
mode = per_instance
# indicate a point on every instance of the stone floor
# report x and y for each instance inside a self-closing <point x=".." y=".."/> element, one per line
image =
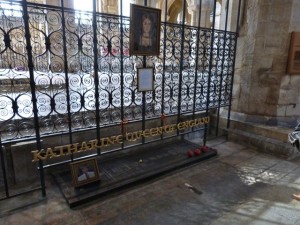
<point x="239" y="186"/>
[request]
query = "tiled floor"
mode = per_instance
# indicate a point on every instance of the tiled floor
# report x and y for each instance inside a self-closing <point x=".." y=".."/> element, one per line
<point x="239" y="186"/>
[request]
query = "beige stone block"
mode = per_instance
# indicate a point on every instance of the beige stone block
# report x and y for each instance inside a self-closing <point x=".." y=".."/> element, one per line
<point x="295" y="19"/>
<point x="236" y="90"/>
<point x="293" y="88"/>
<point x="279" y="64"/>
<point x="270" y="29"/>
<point x="264" y="13"/>
<point x="295" y="81"/>
<point x="281" y="12"/>
<point x="237" y="78"/>
<point x="281" y="109"/>
<point x="53" y="2"/>
<point x="238" y="61"/>
<point x="273" y="42"/>
<point x="289" y="96"/>
<point x="259" y="43"/>
<point x="262" y="63"/>
<point x="261" y="29"/>
<point x="292" y="110"/>
<point x="269" y="110"/>
<point x="285" y="82"/>
<point x="294" y="26"/>
<point x="249" y="46"/>
<point x="234" y="104"/>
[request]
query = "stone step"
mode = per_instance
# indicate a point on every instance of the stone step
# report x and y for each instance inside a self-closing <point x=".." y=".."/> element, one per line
<point x="262" y="143"/>
<point x="265" y="137"/>
<point x="266" y="131"/>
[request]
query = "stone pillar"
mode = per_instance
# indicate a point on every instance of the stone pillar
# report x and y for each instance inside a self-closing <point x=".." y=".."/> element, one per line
<point x="205" y="18"/>
<point x="111" y="6"/>
<point x="194" y="13"/>
<point x="262" y="89"/>
<point x="53" y="2"/>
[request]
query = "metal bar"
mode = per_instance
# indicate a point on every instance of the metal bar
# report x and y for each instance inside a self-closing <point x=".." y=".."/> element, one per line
<point x="197" y="58"/>
<point x="122" y="72"/>
<point x="32" y="87"/>
<point x="236" y="37"/>
<point x="22" y="193"/>
<point x="181" y="63"/>
<point x="3" y="169"/>
<point x="144" y="95"/>
<point x="222" y="67"/>
<point x="210" y="68"/>
<point x="164" y="66"/>
<point x="96" y="76"/>
<point x="66" y="74"/>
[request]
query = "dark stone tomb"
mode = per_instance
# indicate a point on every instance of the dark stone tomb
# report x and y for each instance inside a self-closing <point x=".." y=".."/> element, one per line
<point x="121" y="172"/>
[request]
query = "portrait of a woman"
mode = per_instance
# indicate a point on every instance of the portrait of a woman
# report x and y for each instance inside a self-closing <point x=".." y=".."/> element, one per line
<point x="145" y="30"/>
<point x="145" y="42"/>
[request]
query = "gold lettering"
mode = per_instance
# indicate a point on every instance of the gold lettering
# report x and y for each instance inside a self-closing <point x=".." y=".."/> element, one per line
<point x="110" y="140"/>
<point x="72" y="148"/>
<point x="159" y="130"/>
<point x="169" y="128"/>
<point x="180" y="126"/>
<point x="174" y="126"/>
<point x="146" y="133"/>
<point x="153" y="131"/>
<point x="135" y="135"/>
<point x="206" y="119"/>
<point x="84" y="147"/>
<point x="140" y="133"/>
<point x="103" y="144"/>
<point x="63" y="150"/>
<point x="60" y="149"/>
<point x="200" y="121"/>
<point x="191" y="123"/>
<point x="130" y="135"/>
<point x="119" y="139"/>
<point x="37" y="155"/>
<point x="94" y="144"/>
<point x="50" y="154"/>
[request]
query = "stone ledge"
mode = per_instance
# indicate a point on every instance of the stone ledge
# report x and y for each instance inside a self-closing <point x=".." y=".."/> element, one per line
<point x="272" y="132"/>
<point x="263" y="144"/>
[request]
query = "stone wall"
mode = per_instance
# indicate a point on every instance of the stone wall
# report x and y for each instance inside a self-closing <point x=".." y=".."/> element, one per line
<point x="261" y="85"/>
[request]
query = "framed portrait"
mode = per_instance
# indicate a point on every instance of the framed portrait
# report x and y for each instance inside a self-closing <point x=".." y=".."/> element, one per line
<point x="144" y="30"/>
<point x="84" y="172"/>
<point x="145" y="79"/>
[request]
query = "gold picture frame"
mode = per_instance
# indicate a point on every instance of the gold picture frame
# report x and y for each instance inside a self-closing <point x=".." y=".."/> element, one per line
<point x="84" y="172"/>
<point x="145" y="25"/>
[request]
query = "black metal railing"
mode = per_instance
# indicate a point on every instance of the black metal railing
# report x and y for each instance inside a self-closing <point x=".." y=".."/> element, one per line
<point x="63" y="72"/>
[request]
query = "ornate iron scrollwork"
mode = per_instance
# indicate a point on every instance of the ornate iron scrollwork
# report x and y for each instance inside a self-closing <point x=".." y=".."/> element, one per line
<point x="116" y="67"/>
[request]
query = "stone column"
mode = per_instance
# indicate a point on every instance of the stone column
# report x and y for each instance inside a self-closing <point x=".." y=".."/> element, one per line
<point x="193" y="9"/>
<point x="111" y="6"/>
<point x="262" y="89"/>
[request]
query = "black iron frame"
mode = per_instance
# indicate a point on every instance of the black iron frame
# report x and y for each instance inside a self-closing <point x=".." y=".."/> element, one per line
<point x="204" y="89"/>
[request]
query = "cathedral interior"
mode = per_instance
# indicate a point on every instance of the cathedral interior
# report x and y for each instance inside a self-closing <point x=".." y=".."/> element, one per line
<point x="149" y="112"/>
